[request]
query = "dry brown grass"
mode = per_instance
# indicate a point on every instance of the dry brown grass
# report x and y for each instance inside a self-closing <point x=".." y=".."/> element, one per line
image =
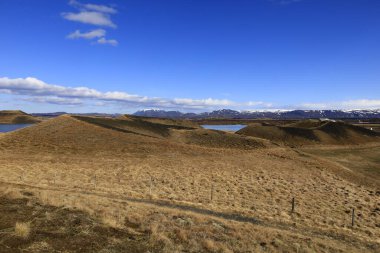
<point x="114" y="221"/>
<point x="364" y="161"/>
<point x="210" y="245"/>
<point x="174" y="231"/>
<point x="22" y="229"/>
<point x="65" y="230"/>
<point x="40" y="246"/>
<point x="163" y="186"/>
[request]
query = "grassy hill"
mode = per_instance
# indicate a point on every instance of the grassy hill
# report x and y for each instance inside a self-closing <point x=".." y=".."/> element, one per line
<point x="17" y="117"/>
<point x="111" y="136"/>
<point x="311" y="132"/>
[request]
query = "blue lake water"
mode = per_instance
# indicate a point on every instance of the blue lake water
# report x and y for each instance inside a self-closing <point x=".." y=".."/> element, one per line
<point x="232" y="128"/>
<point x="11" y="127"/>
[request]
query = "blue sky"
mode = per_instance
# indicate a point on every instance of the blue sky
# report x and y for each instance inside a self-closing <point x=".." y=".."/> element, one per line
<point x="189" y="55"/>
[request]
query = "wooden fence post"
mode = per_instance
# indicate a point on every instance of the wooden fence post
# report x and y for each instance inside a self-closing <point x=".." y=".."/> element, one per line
<point x="212" y="192"/>
<point x="150" y="186"/>
<point x="293" y="204"/>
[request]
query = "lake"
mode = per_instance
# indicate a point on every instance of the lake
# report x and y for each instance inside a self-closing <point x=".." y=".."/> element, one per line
<point x="229" y="128"/>
<point x="11" y="127"/>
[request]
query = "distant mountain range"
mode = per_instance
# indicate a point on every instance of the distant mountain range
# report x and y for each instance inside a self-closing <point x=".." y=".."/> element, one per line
<point x="294" y="114"/>
<point x="232" y="114"/>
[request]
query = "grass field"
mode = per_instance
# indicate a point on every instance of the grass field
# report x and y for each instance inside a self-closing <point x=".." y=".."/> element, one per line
<point x="182" y="189"/>
<point x="362" y="160"/>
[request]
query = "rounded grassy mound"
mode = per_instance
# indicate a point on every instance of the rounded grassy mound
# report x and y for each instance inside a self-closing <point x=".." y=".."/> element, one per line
<point x="17" y="117"/>
<point x="312" y="132"/>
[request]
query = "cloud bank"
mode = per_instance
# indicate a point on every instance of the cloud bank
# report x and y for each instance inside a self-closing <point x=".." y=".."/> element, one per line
<point x="344" y="105"/>
<point x="41" y="92"/>
<point x="54" y="100"/>
<point x="37" y="91"/>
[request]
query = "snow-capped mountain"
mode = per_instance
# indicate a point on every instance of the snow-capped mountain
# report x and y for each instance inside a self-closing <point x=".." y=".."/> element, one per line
<point x="273" y="114"/>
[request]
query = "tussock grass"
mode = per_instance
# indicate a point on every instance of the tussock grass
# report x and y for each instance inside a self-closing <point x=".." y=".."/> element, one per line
<point x="22" y="229"/>
<point x="210" y="245"/>
<point x="111" y="221"/>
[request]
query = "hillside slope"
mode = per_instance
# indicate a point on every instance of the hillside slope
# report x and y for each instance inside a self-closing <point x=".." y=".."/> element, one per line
<point x="73" y="134"/>
<point x="68" y="135"/>
<point x="17" y="117"/>
<point x="311" y="132"/>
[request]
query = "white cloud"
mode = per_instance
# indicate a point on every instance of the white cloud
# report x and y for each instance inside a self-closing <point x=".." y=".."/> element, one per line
<point x="105" y="41"/>
<point x="92" y="14"/>
<point x="93" y="7"/>
<point x="98" y="33"/>
<point x="89" y="35"/>
<point x="362" y="103"/>
<point x="37" y="89"/>
<point x="259" y="103"/>
<point x="54" y="100"/>
<point x="90" y="17"/>
<point x="202" y="103"/>
<point x="344" y="105"/>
